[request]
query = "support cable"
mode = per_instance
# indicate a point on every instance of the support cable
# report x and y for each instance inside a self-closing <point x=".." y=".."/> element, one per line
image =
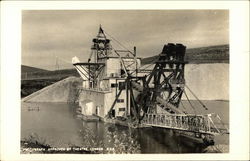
<point x="189" y="101"/>
<point x="223" y="124"/>
<point x="214" y="124"/>
<point x="150" y="64"/>
<point x="204" y="106"/>
<point x="123" y="64"/>
<point x="66" y="61"/>
<point x="117" y="41"/>
<point x="113" y="105"/>
<point x="183" y="107"/>
<point x="129" y="51"/>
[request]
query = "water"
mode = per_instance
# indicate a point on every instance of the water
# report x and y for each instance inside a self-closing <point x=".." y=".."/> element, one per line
<point x="58" y="125"/>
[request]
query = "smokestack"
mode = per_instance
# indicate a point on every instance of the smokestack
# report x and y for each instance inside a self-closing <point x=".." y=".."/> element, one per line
<point x="134" y="50"/>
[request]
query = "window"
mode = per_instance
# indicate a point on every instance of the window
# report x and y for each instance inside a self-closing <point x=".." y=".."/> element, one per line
<point x="120" y="100"/>
<point x="113" y="113"/>
<point x="113" y="85"/>
<point x="122" y="85"/>
<point x="121" y="109"/>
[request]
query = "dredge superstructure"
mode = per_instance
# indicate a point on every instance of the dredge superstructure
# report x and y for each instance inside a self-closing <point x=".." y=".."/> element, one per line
<point x="116" y="88"/>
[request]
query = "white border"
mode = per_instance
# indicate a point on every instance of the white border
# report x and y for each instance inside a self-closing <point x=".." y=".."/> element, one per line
<point x="10" y="76"/>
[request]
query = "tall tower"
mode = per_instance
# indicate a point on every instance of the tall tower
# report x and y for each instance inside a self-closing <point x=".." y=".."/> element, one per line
<point x="101" y="45"/>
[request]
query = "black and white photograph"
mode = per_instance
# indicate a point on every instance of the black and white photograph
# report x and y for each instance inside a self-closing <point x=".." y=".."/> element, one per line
<point x="125" y="81"/>
<point x="135" y="80"/>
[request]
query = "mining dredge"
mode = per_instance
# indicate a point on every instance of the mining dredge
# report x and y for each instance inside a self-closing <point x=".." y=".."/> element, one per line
<point x="116" y="88"/>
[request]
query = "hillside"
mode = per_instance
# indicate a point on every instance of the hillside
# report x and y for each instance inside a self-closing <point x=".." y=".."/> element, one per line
<point x="34" y="79"/>
<point x="29" y="69"/>
<point x="30" y="73"/>
<point x="210" y="54"/>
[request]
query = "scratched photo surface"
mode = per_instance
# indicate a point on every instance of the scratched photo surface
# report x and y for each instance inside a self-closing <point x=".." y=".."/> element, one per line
<point x="124" y="81"/>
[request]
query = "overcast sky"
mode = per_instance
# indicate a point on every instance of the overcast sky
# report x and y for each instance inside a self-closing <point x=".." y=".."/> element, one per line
<point x="64" y="34"/>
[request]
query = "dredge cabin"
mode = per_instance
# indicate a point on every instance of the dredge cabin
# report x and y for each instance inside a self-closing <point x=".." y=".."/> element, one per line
<point x="103" y="75"/>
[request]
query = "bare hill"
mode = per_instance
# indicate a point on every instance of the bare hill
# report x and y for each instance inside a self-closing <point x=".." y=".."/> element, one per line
<point x="210" y="54"/>
<point x="29" y="69"/>
<point x="34" y="79"/>
<point x="46" y="74"/>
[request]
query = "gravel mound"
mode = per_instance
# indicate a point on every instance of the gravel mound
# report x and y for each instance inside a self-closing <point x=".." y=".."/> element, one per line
<point x="65" y="90"/>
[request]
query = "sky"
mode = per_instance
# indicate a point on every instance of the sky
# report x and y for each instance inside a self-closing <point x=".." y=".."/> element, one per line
<point x="50" y="38"/>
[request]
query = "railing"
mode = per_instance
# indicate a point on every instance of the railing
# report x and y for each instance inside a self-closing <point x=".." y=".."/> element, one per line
<point x="195" y="123"/>
<point x="95" y="89"/>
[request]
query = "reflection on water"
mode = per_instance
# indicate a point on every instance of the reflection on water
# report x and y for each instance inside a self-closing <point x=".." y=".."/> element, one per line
<point x="112" y="139"/>
<point x="57" y="123"/>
